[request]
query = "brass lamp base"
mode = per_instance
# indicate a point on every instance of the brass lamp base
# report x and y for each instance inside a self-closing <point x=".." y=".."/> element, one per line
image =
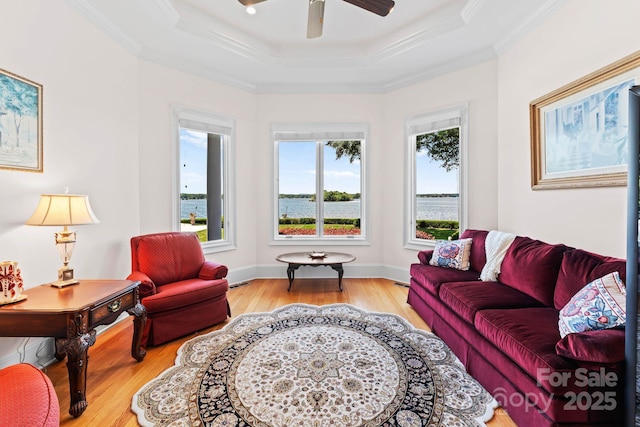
<point x="63" y="283"/>
<point x="65" y="278"/>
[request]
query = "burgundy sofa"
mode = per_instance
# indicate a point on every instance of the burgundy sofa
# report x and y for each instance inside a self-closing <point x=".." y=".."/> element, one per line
<point x="506" y="332"/>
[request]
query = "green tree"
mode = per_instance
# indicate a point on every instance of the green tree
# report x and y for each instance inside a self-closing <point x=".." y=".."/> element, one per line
<point x="346" y="148"/>
<point x="443" y="146"/>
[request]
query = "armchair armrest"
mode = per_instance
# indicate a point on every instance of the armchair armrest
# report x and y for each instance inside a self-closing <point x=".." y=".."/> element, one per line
<point x="425" y="255"/>
<point x="147" y="287"/>
<point x="213" y="271"/>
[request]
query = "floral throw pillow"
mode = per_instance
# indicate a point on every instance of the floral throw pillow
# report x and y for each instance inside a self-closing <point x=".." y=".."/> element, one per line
<point x="600" y="304"/>
<point x="452" y="254"/>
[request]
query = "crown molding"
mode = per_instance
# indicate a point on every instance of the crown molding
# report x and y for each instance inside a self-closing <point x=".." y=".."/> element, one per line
<point x="534" y="20"/>
<point x="416" y="39"/>
<point x="448" y="67"/>
<point x="169" y="10"/>
<point x="101" y="22"/>
<point x="471" y="9"/>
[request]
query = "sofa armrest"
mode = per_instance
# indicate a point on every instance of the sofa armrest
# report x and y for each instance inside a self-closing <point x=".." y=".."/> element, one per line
<point x="212" y="271"/>
<point x="599" y="346"/>
<point x="425" y="256"/>
<point x="147" y="287"/>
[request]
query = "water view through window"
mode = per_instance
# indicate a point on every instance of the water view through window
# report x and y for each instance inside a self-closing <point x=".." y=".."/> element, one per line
<point x="300" y="188"/>
<point x="437" y="182"/>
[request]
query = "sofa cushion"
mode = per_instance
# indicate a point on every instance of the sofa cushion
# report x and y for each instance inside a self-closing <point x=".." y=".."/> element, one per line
<point x="452" y="254"/>
<point x="478" y="256"/>
<point x="184" y="293"/>
<point x="532" y="266"/>
<point x="600" y="304"/>
<point x="528" y="337"/>
<point x="466" y="298"/>
<point x="598" y="346"/>
<point x="431" y="278"/>
<point x="579" y="267"/>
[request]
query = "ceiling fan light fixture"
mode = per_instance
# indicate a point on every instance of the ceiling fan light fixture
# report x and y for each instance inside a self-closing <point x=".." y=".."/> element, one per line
<point x="251" y="10"/>
<point x="250" y="2"/>
<point x="316" y="19"/>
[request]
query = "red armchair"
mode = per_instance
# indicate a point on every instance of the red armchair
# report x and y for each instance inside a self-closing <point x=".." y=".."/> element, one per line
<point x="181" y="291"/>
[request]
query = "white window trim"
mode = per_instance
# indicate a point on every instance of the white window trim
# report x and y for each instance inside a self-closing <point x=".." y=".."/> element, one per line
<point x="320" y="131"/>
<point x="219" y="122"/>
<point x="422" y="122"/>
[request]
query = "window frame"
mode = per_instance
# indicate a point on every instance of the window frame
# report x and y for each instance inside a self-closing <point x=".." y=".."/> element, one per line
<point x="226" y="126"/>
<point x="429" y="122"/>
<point x="312" y="132"/>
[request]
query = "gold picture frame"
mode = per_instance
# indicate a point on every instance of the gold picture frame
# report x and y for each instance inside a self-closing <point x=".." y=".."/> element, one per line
<point x="579" y="132"/>
<point x="20" y="123"/>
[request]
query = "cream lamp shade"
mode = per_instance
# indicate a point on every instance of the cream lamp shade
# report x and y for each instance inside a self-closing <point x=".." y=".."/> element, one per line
<point x="64" y="210"/>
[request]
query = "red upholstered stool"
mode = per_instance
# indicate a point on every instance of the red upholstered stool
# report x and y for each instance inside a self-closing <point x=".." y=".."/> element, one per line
<point x="27" y="398"/>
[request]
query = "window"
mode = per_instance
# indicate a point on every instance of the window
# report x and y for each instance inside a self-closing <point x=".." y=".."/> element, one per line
<point x="436" y="200"/>
<point x="328" y="205"/>
<point x="204" y="200"/>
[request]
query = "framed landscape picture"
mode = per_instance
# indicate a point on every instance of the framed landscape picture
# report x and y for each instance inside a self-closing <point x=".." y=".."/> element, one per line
<point x="579" y="132"/>
<point x="20" y="123"/>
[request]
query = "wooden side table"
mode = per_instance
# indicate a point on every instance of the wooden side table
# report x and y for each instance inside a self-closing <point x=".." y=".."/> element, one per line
<point x="331" y="259"/>
<point x="70" y="315"/>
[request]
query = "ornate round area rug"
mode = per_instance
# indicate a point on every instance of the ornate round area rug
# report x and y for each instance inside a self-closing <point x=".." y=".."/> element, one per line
<point x="312" y="366"/>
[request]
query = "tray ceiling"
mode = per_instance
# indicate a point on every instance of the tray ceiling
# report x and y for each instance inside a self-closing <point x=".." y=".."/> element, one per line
<point x="358" y="52"/>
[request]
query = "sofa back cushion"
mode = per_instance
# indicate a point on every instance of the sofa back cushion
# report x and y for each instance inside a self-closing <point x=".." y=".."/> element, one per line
<point x="532" y="266"/>
<point x="580" y="267"/>
<point x="478" y="256"/>
<point x="167" y="257"/>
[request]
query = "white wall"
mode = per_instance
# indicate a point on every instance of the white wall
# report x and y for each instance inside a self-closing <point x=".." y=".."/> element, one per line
<point x="90" y="143"/>
<point x="580" y="38"/>
<point x="159" y="89"/>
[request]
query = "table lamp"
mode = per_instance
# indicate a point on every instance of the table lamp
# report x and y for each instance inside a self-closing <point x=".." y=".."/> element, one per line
<point x="63" y="210"/>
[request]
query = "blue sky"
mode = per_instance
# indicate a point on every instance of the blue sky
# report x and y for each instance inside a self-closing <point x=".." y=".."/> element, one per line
<point x="193" y="161"/>
<point x="297" y="169"/>
<point x="432" y="178"/>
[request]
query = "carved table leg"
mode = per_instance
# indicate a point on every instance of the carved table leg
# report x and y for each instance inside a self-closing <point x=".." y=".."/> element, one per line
<point x="290" y="274"/>
<point x="76" y="347"/>
<point x="140" y="313"/>
<point x="339" y="269"/>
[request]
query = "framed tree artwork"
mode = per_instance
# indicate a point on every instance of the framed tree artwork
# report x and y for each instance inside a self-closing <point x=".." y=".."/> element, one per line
<point x="579" y="132"/>
<point x="20" y="123"/>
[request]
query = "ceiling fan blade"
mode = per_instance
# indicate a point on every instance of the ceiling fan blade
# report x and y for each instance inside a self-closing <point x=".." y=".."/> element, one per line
<point x="379" y="7"/>
<point x="316" y="18"/>
<point x="250" y="2"/>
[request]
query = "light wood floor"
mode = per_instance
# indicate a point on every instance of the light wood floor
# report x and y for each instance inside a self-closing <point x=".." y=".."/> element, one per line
<point x="114" y="376"/>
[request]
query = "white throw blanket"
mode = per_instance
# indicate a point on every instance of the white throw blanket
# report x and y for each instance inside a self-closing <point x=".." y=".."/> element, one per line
<point x="496" y="247"/>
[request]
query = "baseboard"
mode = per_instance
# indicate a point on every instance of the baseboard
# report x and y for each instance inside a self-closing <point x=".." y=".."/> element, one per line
<point x="36" y="351"/>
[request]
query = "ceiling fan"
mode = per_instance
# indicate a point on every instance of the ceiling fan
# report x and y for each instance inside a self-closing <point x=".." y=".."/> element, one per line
<point x="316" y="11"/>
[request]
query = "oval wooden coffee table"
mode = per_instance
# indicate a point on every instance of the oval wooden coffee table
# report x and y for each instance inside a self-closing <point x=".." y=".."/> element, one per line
<point x="330" y="259"/>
